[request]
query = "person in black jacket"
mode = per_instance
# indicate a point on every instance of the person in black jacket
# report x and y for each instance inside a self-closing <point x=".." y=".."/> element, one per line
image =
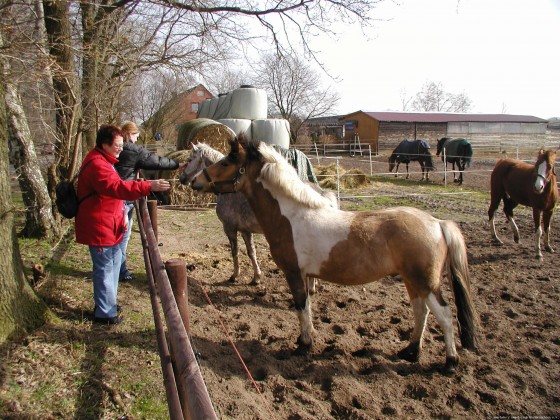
<point x="133" y="158"/>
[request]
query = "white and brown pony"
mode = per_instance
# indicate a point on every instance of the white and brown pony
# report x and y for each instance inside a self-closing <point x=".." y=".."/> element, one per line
<point x="234" y="210"/>
<point x="517" y="182"/>
<point x="308" y="237"/>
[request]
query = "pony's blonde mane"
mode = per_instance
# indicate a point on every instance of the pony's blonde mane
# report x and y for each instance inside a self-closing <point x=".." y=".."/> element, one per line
<point x="278" y="172"/>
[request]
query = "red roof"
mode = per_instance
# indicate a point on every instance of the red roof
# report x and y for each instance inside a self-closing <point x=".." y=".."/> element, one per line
<point x="433" y="117"/>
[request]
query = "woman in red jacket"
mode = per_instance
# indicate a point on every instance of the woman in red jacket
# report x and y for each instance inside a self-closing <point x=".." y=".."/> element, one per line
<point x="100" y="222"/>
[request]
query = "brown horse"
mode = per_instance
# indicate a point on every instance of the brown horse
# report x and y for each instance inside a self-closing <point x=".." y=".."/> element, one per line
<point x="516" y="182"/>
<point x="308" y="237"/>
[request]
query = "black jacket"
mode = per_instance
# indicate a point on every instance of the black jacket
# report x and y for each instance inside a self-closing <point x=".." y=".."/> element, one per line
<point x="134" y="157"/>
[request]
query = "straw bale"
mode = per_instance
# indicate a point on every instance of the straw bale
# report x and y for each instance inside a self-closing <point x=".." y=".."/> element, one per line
<point x="204" y="130"/>
<point x="353" y="178"/>
<point x="180" y="194"/>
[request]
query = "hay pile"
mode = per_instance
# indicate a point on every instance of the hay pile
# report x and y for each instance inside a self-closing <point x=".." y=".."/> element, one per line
<point x="353" y="178"/>
<point x="179" y="194"/>
<point x="200" y="130"/>
<point x="204" y="130"/>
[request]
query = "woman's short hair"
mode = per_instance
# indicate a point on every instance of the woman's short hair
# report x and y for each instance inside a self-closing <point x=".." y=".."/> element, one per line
<point x="107" y="133"/>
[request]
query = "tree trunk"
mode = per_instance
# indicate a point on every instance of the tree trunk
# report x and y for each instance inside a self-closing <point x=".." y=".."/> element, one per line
<point x="89" y="75"/>
<point x="57" y="25"/>
<point x="20" y="308"/>
<point x="39" y="220"/>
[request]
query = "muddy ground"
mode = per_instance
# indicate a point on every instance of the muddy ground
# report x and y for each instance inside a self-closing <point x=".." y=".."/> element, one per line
<point x="353" y="371"/>
<point x="76" y="369"/>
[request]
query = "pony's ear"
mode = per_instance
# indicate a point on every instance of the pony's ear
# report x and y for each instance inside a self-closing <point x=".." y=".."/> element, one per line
<point x="243" y="139"/>
<point x="195" y="146"/>
<point x="234" y="148"/>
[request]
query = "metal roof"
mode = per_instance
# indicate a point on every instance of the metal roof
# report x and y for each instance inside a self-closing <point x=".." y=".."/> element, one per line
<point x="433" y="117"/>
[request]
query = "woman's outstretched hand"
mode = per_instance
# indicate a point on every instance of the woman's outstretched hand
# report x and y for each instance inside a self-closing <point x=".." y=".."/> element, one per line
<point x="160" y="185"/>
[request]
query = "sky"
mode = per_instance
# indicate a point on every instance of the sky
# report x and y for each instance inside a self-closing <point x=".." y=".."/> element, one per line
<point x="503" y="54"/>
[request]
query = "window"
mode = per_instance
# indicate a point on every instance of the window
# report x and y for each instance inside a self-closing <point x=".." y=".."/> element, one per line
<point x="199" y="93"/>
<point x="194" y="107"/>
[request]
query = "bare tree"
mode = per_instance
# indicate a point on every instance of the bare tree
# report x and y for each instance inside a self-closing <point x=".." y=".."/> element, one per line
<point x="433" y="97"/>
<point x="156" y="101"/>
<point x="222" y="78"/>
<point x="405" y="100"/>
<point x="295" y="92"/>
<point x="20" y="308"/>
<point x="96" y="48"/>
<point x="39" y="220"/>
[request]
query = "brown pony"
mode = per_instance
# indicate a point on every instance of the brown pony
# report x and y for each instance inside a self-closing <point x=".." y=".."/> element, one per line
<point x="308" y="237"/>
<point x="516" y="182"/>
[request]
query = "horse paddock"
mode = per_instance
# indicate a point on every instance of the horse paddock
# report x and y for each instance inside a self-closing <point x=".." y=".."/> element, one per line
<point x="75" y="369"/>
<point x="353" y="370"/>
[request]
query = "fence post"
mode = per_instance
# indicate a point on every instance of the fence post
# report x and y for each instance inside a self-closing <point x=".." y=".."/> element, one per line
<point x="337" y="183"/>
<point x="152" y="211"/>
<point x="370" y="161"/>
<point x="444" y="167"/>
<point x="177" y="273"/>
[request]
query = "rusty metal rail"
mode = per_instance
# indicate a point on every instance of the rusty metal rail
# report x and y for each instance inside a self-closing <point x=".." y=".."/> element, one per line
<point x="187" y="396"/>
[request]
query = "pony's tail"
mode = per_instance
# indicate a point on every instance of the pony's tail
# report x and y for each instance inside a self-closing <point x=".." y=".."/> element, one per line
<point x="429" y="162"/>
<point x="459" y="271"/>
<point x="468" y="155"/>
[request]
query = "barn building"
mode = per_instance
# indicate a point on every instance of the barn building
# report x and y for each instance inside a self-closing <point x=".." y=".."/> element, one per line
<point x="384" y="130"/>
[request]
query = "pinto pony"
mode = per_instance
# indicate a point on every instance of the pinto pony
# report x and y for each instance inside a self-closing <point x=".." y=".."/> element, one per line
<point x="234" y="210"/>
<point x="409" y="151"/>
<point x="516" y="182"/>
<point x="309" y="237"/>
<point x="457" y="152"/>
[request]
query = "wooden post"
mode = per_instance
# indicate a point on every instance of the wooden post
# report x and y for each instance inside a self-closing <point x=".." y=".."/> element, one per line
<point x="444" y="167"/>
<point x="177" y="273"/>
<point x="152" y="211"/>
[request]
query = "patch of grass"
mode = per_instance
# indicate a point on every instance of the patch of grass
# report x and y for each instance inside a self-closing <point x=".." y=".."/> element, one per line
<point x="73" y="368"/>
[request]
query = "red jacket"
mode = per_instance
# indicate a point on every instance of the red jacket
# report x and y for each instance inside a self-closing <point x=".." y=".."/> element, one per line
<point x="100" y="218"/>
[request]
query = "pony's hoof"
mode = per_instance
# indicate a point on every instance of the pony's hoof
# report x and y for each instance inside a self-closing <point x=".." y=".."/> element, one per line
<point x="498" y="242"/>
<point x="516" y="239"/>
<point x="255" y="282"/>
<point x="232" y="279"/>
<point x="548" y="248"/>
<point x="302" y="349"/>
<point x="410" y="353"/>
<point x="451" y="364"/>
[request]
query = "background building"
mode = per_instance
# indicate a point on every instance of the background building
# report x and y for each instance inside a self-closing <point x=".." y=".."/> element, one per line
<point x="384" y="130"/>
<point x="163" y="125"/>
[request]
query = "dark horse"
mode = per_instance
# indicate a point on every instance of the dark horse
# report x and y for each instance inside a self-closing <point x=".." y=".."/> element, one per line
<point x="409" y="151"/>
<point x="516" y="182"/>
<point x="309" y="237"/>
<point x="457" y="152"/>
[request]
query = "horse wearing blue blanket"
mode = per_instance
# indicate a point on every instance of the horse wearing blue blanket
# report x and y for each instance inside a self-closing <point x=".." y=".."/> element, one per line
<point x="409" y="151"/>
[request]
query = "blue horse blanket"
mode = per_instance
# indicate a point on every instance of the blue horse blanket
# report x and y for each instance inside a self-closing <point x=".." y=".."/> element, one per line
<point x="299" y="161"/>
<point x="410" y="150"/>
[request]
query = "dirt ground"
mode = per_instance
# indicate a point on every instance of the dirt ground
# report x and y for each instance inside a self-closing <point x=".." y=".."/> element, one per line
<point x="353" y="371"/>
<point x="76" y="369"/>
